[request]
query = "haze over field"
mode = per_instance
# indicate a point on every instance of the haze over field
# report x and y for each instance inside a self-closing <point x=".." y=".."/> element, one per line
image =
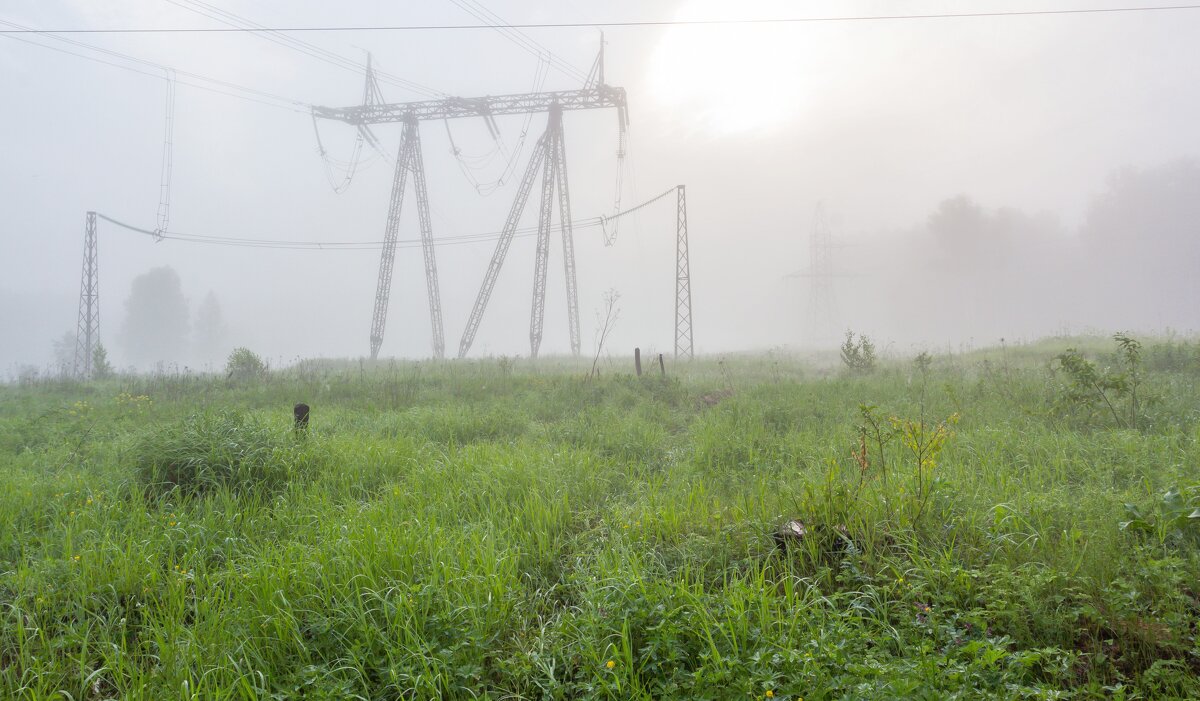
<point x="986" y="177"/>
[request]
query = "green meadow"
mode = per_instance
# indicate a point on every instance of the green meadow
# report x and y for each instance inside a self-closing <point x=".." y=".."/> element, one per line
<point x="989" y="524"/>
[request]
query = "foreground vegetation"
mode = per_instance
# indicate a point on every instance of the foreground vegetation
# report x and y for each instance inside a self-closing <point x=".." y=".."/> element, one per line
<point x="969" y="526"/>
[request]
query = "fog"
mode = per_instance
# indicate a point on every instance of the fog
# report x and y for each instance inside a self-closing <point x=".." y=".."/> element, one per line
<point x="984" y="178"/>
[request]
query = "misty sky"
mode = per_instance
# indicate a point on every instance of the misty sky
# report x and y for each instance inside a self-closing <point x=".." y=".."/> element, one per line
<point x="881" y="120"/>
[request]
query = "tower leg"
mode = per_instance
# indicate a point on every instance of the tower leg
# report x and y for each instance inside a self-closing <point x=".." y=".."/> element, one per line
<point x="568" y="239"/>
<point x="537" y="312"/>
<point x="383" y="285"/>
<point x="431" y="274"/>
<point x="506" y="236"/>
<point x="87" y="333"/>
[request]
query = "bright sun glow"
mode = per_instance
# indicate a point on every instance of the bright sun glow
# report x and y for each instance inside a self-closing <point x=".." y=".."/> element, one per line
<point x="728" y="79"/>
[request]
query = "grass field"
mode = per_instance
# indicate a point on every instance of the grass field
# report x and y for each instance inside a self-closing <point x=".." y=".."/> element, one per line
<point x="502" y="530"/>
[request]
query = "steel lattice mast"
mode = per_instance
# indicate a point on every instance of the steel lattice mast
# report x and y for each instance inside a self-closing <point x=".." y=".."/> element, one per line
<point x="550" y="150"/>
<point x="87" y="335"/>
<point x="683" y="279"/>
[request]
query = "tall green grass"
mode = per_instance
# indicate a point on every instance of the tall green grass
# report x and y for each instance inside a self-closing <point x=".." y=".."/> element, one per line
<point x="511" y="530"/>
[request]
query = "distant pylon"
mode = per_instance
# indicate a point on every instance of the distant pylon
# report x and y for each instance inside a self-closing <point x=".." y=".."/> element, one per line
<point x="87" y="335"/>
<point x="822" y="305"/>
<point x="683" y="280"/>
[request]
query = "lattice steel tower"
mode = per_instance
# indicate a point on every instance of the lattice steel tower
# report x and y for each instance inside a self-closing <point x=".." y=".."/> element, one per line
<point x="683" y="279"/>
<point x="87" y="334"/>
<point x="549" y="152"/>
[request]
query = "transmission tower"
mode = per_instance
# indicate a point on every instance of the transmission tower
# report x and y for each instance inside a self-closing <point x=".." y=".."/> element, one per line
<point x="87" y="335"/>
<point x="548" y="153"/>
<point x="683" y="279"/>
<point x="822" y="304"/>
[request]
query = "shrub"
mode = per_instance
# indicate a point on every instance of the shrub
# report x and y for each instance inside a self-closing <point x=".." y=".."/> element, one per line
<point x="214" y="450"/>
<point x="858" y="356"/>
<point x="1089" y="387"/>
<point x="244" y="364"/>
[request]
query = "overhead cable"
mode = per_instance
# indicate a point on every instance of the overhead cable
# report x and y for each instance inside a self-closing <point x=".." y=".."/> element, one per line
<point x="453" y="240"/>
<point x="160" y="71"/>
<point x="238" y="22"/>
<point x="614" y="23"/>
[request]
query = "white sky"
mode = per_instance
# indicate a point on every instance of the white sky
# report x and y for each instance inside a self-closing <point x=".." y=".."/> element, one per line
<point x="881" y="120"/>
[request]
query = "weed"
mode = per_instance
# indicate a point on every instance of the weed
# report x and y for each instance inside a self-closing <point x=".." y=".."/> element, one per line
<point x="1175" y="517"/>
<point x="1090" y="388"/>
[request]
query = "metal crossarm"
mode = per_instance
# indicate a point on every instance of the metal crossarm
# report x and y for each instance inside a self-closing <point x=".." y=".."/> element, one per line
<point x="597" y="97"/>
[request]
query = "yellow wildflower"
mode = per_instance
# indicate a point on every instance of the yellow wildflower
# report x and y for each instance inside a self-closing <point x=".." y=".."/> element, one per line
<point x="610" y="664"/>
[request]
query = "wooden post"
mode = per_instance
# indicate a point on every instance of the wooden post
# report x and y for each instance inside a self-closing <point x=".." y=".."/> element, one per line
<point x="662" y="367"/>
<point x="637" y="361"/>
<point x="300" y="413"/>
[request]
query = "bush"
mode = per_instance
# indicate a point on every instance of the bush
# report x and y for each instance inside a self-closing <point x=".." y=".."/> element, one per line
<point x="215" y="450"/>
<point x="244" y="364"/>
<point x="858" y="356"/>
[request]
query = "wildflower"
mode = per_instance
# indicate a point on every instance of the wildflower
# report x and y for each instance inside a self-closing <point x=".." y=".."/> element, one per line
<point x="89" y="501"/>
<point x="172" y="524"/>
<point x="610" y="664"/>
<point x="75" y="558"/>
<point x="72" y="513"/>
<point x="770" y="694"/>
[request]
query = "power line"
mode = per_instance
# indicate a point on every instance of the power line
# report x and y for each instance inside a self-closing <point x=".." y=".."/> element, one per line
<point x="453" y="240"/>
<point x="602" y="25"/>
<point x="238" y="22"/>
<point x="478" y="11"/>
<point x="163" y="71"/>
<point x="459" y="239"/>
